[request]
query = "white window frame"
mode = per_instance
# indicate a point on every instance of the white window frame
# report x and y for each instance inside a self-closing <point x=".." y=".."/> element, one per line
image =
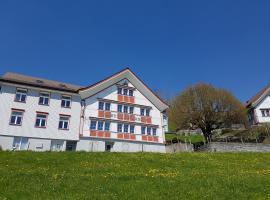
<point x="18" y="145"/>
<point x="21" y="92"/>
<point x="65" y="99"/>
<point x="41" y="119"/>
<point x="44" y="95"/>
<point x="64" y="121"/>
<point x="16" y="117"/>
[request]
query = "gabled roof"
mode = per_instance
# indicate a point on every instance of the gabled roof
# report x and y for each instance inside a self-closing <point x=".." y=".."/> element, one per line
<point x="134" y="80"/>
<point x="38" y="82"/>
<point x="260" y="95"/>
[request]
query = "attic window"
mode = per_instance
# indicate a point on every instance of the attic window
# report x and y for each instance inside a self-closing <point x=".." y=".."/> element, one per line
<point x="39" y="81"/>
<point x="62" y="85"/>
<point x="125" y="83"/>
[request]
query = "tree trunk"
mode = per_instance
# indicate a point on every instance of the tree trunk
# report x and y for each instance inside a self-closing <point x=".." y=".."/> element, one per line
<point x="207" y="133"/>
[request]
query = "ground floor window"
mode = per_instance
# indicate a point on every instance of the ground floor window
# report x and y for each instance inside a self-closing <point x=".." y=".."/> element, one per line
<point x="20" y="143"/>
<point x="57" y="145"/>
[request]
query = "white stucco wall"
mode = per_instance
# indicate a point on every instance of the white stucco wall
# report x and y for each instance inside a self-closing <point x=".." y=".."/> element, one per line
<point x="264" y="104"/>
<point x="31" y="106"/>
<point x="91" y="110"/>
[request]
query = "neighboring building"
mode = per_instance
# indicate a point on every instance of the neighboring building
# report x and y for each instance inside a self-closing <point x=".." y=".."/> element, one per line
<point x="38" y="114"/>
<point x="119" y="113"/>
<point x="259" y="107"/>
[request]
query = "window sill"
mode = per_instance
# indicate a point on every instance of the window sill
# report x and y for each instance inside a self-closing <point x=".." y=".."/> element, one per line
<point x="15" y="124"/>
<point x="43" y="104"/>
<point x="62" y="129"/>
<point x="40" y="127"/>
<point x="66" y="107"/>
<point x="19" y="101"/>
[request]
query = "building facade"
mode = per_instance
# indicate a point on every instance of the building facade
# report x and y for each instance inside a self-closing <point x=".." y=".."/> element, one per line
<point x="259" y="107"/>
<point x="119" y="113"/>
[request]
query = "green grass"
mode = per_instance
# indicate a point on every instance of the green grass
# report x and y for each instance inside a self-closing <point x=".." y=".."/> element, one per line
<point x="29" y="175"/>
<point x="193" y="138"/>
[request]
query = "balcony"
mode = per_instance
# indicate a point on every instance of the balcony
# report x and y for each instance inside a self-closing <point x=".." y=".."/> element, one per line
<point x="126" y="99"/>
<point x="126" y="117"/>
<point x="123" y="136"/>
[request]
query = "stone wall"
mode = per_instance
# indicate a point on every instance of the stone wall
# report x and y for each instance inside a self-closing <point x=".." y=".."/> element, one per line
<point x="236" y="147"/>
<point x="179" y="147"/>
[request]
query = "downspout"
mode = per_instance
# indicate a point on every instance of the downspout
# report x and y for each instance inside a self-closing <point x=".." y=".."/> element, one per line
<point x="81" y="117"/>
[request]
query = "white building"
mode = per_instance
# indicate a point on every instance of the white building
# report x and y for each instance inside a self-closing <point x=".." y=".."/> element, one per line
<point x="259" y="107"/>
<point x="119" y="113"/>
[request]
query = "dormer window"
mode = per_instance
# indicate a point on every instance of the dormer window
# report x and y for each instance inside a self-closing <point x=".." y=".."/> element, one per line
<point x="21" y="95"/>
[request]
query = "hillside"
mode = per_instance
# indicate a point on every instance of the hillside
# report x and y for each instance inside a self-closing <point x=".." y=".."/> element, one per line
<point x="29" y="175"/>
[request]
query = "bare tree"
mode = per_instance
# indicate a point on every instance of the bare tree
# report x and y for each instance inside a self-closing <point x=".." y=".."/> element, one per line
<point x="207" y="108"/>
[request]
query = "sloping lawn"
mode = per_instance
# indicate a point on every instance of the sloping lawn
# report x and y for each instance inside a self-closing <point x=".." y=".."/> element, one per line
<point x="189" y="138"/>
<point x="29" y="175"/>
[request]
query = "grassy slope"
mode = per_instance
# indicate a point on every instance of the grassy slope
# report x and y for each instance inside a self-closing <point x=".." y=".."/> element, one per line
<point x="28" y="175"/>
<point x="193" y="138"/>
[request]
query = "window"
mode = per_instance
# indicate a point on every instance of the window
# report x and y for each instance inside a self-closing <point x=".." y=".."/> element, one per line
<point x="100" y="126"/>
<point x="20" y="143"/>
<point x="93" y="125"/>
<point x="66" y="102"/>
<point x="107" y="126"/>
<point x="265" y="112"/>
<point x="101" y="105"/>
<point x="147" y="112"/>
<point x="64" y="122"/>
<point x="119" y="108"/>
<point x="119" y="128"/>
<point x="21" y="95"/>
<point x="132" y="128"/>
<point x="41" y="120"/>
<point x="119" y="90"/>
<point x="130" y="93"/>
<point x="107" y="106"/>
<point x="143" y="130"/>
<point x="142" y="111"/>
<point x="125" y="128"/>
<point x="16" y="117"/>
<point x="44" y="98"/>
<point x="125" y="91"/>
<point x="131" y="110"/>
<point x="154" y="131"/>
<point x="148" y="131"/>
<point x="125" y="109"/>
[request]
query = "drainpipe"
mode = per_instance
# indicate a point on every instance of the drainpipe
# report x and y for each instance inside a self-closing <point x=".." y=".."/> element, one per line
<point x="82" y="117"/>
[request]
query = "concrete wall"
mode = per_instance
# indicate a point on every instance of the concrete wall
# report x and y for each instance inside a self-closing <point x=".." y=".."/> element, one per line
<point x="34" y="144"/>
<point x="31" y="106"/>
<point x="237" y="147"/>
<point x="6" y="142"/>
<point x="98" y="145"/>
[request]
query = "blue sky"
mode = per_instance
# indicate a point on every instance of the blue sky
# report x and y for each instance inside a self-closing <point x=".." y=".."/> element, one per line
<point x="169" y="44"/>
